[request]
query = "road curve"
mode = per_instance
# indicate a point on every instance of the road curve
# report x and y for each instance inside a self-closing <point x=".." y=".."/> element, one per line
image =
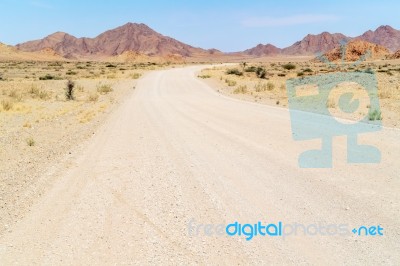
<point x="176" y="155"/>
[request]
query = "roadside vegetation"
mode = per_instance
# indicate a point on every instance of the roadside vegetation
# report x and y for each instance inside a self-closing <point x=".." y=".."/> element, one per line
<point x="266" y="83"/>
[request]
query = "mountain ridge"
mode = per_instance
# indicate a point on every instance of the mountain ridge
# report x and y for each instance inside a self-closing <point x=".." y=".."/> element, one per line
<point x="140" y="38"/>
<point x="128" y="37"/>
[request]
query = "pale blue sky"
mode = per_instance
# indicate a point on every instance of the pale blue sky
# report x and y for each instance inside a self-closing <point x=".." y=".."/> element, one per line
<point x="225" y="25"/>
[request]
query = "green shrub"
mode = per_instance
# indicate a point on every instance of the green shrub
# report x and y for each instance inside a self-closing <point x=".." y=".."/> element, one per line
<point x="289" y="66"/>
<point x="369" y="71"/>
<point x="71" y="73"/>
<point x="261" y="72"/>
<point x="251" y="69"/>
<point x="374" y="115"/>
<point x="47" y="77"/>
<point x="234" y="71"/>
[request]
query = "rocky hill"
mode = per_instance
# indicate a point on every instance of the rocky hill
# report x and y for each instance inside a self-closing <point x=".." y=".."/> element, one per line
<point x="385" y="36"/>
<point x="263" y="50"/>
<point x="312" y="44"/>
<point x="357" y="48"/>
<point x="129" y="37"/>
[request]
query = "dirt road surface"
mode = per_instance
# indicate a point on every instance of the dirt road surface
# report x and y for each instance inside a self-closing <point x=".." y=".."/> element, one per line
<point x="176" y="155"/>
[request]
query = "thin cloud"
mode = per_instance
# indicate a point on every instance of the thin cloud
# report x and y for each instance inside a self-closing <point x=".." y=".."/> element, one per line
<point x="287" y="21"/>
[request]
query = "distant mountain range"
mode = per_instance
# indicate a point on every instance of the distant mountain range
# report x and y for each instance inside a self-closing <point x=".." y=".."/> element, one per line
<point x="311" y="44"/>
<point x="141" y="39"/>
<point x="129" y="37"/>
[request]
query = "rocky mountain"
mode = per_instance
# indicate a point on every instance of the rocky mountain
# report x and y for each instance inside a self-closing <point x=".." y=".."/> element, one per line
<point x="8" y="53"/>
<point x="263" y="50"/>
<point x="357" y="48"/>
<point x="142" y="40"/>
<point x="129" y="37"/>
<point x="312" y="44"/>
<point x="396" y="55"/>
<point x="385" y="36"/>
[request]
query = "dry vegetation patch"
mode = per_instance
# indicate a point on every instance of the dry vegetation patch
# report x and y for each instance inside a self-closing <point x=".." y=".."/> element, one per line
<point x="266" y="82"/>
<point x="44" y="117"/>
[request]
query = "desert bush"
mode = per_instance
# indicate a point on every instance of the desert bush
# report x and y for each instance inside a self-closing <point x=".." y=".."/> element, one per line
<point x="7" y="105"/>
<point x="43" y="95"/>
<point x="31" y="142"/>
<point x="234" y="71"/>
<point x="300" y="74"/>
<point x="281" y="75"/>
<point x="111" y="66"/>
<point x="261" y="72"/>
<point x="241" y="89"/>
<point x="230" y="83"/>
<point x="135" y="75"/>
<point x="289" y="66"/>
<point x="104" y="88"/>
<point x="387" y="93"/>
<point x="261" y="86"/>
<point x="369" y="71"/>
<point x="69" y="90"/>
<point x="71" y="73"/>
<point x="308" y="70"/>
<point x="93" y="97"/>
<point x="270" y="86"/>
<point x="204" y="76"/>
<point x="330" y="103"/>
<point x="49" y="77"/>
<point x="374" y="115"/>
<point x="250" y="69"/>
<point x="13" y="94"/>
<point x="37" y="93"/>
<point x="34" y="89"/>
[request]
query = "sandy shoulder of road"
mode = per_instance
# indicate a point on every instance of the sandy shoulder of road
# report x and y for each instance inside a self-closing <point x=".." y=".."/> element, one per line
<point x="42" y="134"/>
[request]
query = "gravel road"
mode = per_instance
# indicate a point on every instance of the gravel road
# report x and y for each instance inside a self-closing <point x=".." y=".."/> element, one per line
<point x="177" y="155"/>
